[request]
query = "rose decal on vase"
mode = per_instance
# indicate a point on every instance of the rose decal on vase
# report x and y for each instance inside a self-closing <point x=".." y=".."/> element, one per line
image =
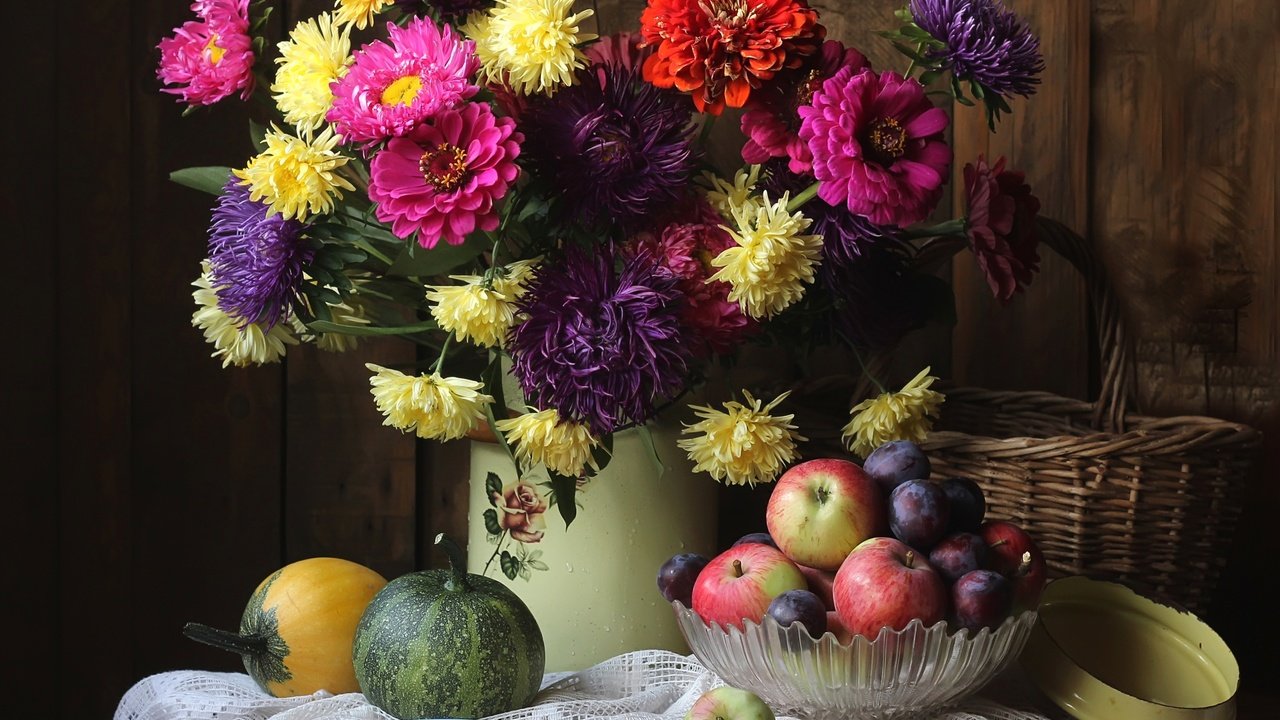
<point x="516" y="514"/>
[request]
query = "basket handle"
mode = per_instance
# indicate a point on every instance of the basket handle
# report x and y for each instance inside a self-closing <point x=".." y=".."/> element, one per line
<point x="1117" y="391"/>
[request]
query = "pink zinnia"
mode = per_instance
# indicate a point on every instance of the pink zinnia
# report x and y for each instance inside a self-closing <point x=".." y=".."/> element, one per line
<point x="1002" y="226"/>
<point x="621" y="49"/>
<point x="771" y="119"/>
<point x="208" y="59"/>
<point x="686" y="249"/>
<point x="443" y="179"/>
<point x="392" y="88"/>
<point x="878" y="146"/>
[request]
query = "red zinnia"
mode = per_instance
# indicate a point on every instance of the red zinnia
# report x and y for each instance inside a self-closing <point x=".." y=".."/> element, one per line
<point x="721" y="50"/>
<point x="1002" y="226"/>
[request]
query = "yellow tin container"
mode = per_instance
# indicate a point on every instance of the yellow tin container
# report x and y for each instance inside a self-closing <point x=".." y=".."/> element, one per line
<point x="1100" y="651"/>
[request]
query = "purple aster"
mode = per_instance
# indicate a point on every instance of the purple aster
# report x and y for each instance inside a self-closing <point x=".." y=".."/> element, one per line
<point x="613" y="145"/>
<point x="600" y="345"/>
<point x="845" y="234"/>
<point x="877" y="298"/>
<point x="984" y="42"/>
<point x="256" y="259"/>
<point x="448" y="9"/>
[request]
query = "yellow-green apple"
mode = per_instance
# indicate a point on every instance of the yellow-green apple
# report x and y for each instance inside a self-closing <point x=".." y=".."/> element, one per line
<point x="729" y="703"/>
<point x="822" y="509"/>
<point x="1012" y="553"/>
<point x="884" y="583"/>
<point x="739" y="583"/>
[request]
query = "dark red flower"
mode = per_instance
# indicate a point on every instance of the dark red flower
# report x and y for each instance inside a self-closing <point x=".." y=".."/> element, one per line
<point x="719" y="51"/>
<point x="1002" y="226"/>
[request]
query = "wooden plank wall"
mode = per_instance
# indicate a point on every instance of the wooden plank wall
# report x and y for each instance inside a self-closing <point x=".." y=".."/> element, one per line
<point x="155" y="487"/>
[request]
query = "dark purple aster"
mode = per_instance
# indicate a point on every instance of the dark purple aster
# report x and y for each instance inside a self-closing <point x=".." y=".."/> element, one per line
<point x="598" y="345"/>
<point x="448" y="9"/>
<point x="256" y="259"/>
<point x="845" y="234"/>
<point x="984" y="42"/>
<point x="613" y="145"/>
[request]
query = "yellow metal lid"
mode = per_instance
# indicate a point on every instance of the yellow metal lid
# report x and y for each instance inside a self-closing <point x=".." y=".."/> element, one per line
<point x="1101" y="651"/>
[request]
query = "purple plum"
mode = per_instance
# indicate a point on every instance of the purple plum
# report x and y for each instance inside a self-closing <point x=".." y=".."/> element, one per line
<point x="677" y="576"/>
<point x="982" y="598"/>
<point x="958" y="555"/>
<point x="896" y="462"/>
<point x="763" y="538"/>
<point x="800" y="606"/>
<point x="918" y="514"/>
<point x="968" y="506"/>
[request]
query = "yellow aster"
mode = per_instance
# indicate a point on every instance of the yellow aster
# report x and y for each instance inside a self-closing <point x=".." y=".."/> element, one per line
<point x="436" y="407"/>
<point x="316" y="54"/>
<point x="296" y="177"/>
<point x="472" y="311"/>
<point x="743" y="444"/>
<point x="905" y="415"/>
<point x="772" y="259"/>
<point x="531" y="45"/>
<point x="237" y="344"/>
<point x="359" y="12"/>
<point x="724" y="195"/>
<point x="541" y="437"/>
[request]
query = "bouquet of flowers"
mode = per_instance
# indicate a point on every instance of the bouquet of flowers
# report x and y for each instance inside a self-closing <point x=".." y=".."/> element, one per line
<point x="491" y="178"/>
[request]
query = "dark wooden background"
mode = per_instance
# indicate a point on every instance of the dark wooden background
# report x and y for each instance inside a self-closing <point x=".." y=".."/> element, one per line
<point x="152" y="487"/>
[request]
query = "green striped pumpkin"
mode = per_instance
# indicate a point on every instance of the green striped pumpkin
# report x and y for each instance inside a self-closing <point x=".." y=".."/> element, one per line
<point x="446" y="644"/>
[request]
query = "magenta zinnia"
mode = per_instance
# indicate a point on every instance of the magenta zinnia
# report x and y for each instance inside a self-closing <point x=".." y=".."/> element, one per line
<point x="1002" y="226"/>
<point x="599" y="345"/>
<point x="878" y="146"/>
<point x="445" y="178"/>
<point x="208" y="59"/>
<point x="392" y="88"/>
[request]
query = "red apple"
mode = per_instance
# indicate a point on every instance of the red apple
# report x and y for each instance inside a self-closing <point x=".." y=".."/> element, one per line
<point x="821" y="583"/>
<point x="835" y="627"/>
<point x="884" y="583"/>
<point x="821" y="509"/>
<point x="739" y="583"/>
<point x="1012" y="553"/>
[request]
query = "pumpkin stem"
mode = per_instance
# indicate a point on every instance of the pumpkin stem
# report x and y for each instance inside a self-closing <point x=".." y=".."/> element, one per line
<point x="232" y="642"/>
<point x="457" y="563"/>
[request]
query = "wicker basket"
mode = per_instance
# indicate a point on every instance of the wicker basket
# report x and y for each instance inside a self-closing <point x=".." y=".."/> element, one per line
<point x="1148" y="501"/>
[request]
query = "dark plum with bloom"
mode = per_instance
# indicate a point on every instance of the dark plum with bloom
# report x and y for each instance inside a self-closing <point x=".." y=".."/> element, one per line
<point x="612" y="146"/>
<point x="878" y="146"/>
<point x="256" y="259"/>
<point x="445" y="178"/>
<point x="984" y="42"/>
<point x="600" y="345"/>
<point x="1002" y="226"/>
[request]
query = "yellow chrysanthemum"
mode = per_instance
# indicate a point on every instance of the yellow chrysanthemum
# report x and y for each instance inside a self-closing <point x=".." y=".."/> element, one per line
<point x="237" y="344"/>
<point x="532" y="45"/>
<point x="742" y="445"/>
<point x="541" y="437"/>
<point x="724" y="196"/>
<point x="905" y="415"/>
<point x="359" y="12"/>
<point x="472" y="311"/>
<point x="351" y="312"/>
<point x="436" y="407"/>
<point x="316" y="54"/>
<point x="295" y="177"/>
<point x="772" y="260"/>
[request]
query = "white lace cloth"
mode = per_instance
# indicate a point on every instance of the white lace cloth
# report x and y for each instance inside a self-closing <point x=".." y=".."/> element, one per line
<point x="645" y="685"/>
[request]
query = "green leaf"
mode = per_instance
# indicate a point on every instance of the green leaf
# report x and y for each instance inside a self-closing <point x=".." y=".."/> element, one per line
<point x="491" y="525"/>
<point x="510" y="565"/>
<point x="209" y="179"/>
<point x="929" y="76"/>
<point x="257" y="134"/>
<point x="492" y="486"/>
<point x="492" y="379"/>
<point x="565" y="489"/>
<point x="371" y="329"/>
<point x="603" y="453"/>
<point x="439" y="260"/>
<point x="537" y="565"/>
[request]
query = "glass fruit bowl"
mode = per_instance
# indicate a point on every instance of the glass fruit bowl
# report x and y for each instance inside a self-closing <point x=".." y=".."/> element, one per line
<point x="912" y="671"/>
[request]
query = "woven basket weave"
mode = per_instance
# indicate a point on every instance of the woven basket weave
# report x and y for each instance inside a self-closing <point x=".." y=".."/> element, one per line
<point x="1107" y="493"/>
<point x="1151" y="502"/>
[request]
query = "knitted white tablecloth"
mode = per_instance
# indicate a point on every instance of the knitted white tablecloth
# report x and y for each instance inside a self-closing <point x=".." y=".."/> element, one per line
<point x="644" y="685"/>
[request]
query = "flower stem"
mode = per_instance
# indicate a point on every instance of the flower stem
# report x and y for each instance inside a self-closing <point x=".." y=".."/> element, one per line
<point x="803" y="197"/>
<point x="948" y="228"/>
<point x="448" y="340"/>
<point x="501" y="538"/>
<point x="866" y="371"/>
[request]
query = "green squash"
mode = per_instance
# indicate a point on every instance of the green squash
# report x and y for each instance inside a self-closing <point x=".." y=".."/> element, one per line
<point x="446" y="644"/>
